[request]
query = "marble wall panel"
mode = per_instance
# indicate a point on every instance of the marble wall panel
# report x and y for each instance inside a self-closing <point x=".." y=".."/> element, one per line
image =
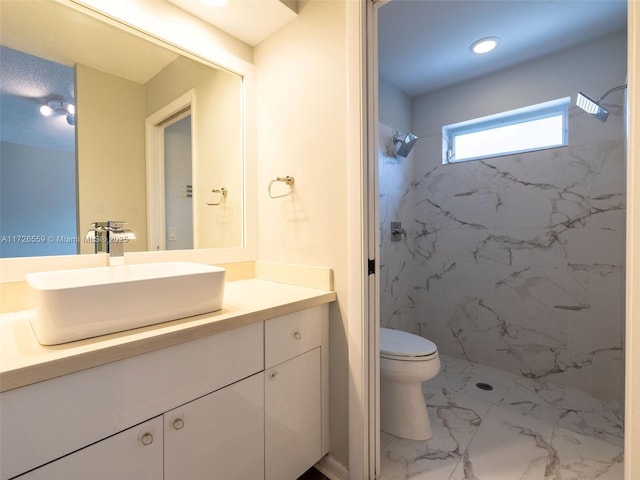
<point x="396" y="204"/>
<point x="516" y="262"/>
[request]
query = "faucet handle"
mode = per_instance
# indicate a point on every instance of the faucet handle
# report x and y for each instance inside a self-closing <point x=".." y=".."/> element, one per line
<point x="116" y="225"/>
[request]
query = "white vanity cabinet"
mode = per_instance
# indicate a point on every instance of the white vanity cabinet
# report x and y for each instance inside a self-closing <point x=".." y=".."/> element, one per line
<point x="247" y="403"/>
<point x="220" y="435"/>
<point x="49" y="420"/>
<point x="295" y="407"/>
<point x="135" y="454"/>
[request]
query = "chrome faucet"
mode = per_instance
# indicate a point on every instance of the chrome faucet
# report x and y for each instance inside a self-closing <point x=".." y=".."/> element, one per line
<point x="117" y="236"/>
<point x="97" y="235"/>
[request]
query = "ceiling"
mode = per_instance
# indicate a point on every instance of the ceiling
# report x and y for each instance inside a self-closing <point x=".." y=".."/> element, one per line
<point x="424" y="44"/>
<point x="248" y="20"/>
<point x="35" y="31"/>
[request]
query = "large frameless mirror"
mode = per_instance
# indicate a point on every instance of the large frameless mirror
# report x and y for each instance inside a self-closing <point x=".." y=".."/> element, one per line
<point x="134" y="131"/>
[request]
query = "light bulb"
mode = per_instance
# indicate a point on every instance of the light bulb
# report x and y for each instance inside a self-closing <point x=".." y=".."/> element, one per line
<point x="484" y="45"/>
<point x="46" y="110"/>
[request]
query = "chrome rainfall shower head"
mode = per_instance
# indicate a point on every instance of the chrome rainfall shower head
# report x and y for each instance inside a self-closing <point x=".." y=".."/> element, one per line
<point x="403" y="145"/>
<point x="594" y="107"/>
<point x="591" y="107"/>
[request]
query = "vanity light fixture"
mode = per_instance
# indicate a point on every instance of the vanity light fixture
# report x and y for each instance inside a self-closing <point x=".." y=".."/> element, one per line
<point x="484" y="45"/>
<point x="57" y="106"/>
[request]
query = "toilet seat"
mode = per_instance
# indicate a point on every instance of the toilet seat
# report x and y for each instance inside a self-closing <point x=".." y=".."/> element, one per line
<point x="399" y="345"/>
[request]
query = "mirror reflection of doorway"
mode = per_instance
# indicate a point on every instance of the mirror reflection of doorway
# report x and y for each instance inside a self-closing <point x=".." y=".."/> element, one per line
<point x="170" y="154"/>
<point x="178" y="184"/>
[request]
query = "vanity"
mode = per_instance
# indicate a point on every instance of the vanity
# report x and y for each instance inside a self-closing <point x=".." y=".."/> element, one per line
<point x="242" y="392"/>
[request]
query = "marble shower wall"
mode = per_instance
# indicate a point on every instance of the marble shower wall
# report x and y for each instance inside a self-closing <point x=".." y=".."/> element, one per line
<point x="397" y="203"/>
<point x="515" y="262"/>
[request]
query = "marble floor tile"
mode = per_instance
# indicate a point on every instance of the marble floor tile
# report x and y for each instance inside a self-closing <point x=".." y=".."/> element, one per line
<point x="532" y="409"/>
<point x="537" y="392"/>
<point x="578" y="457"/>
<point x="385" y="439"/>
<point x="492" y="375"/>
<point x="407" y="459"/>
<point x="455" y="418"/>
<point x="453" y="373"/>
<point x="532" y="397"/>
<point x="507" y="446"/>
<point x="495" y="395"/>
<point x="589" y="416"/>
<point x="458" y="414"/>
<point x="523" y="429"/>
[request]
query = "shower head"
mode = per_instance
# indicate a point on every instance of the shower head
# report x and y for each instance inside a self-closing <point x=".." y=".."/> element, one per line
<point x="403" y="145"/>
<point x="593" y="107"/>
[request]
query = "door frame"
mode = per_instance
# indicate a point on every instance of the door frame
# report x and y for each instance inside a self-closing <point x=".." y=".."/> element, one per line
<point x="364" y="301"/>
<point x="154" y="139"/>
<point x="632" y="295"/>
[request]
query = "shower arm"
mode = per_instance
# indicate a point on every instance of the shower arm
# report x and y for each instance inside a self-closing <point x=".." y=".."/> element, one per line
<point x="611" y="90"/>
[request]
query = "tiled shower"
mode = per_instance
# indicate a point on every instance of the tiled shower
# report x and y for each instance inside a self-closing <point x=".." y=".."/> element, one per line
<point x="514" y="262"/>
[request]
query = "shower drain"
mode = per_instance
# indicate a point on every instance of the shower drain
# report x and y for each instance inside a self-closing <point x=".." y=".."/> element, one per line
<point x="484" y="386"/>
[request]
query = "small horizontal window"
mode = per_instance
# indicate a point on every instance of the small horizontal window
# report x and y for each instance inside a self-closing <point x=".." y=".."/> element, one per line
<point x="526" y="129"/>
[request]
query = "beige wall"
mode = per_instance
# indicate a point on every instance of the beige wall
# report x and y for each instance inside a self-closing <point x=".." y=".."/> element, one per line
<point x="302" y="110"/>
<point x="217" y="153"/>
<point x="105" y="191"/>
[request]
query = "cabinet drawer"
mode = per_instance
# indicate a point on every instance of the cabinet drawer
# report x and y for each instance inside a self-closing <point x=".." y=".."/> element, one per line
<point x="293" y="334"/>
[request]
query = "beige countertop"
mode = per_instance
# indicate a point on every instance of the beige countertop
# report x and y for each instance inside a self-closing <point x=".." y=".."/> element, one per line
<point x="24" y="361"/>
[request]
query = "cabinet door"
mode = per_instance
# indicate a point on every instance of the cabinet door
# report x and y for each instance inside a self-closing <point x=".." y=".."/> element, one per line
<point x="135" y="454"/>
<point x="293" y="420"/>
<point x="220" y="435"/>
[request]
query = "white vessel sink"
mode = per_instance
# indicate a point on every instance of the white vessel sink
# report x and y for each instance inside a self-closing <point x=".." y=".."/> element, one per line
<point x="88" y="302"/>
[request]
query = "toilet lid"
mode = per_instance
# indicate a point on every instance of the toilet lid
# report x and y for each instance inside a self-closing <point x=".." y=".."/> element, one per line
<point x="404" y="344"/>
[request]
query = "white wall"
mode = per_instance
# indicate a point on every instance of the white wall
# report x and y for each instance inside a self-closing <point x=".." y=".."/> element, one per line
<point x="395" y="107"/>
<point x="302" y="112"/>
<point x="564" y="73"/>
<point x="509" y="265"/>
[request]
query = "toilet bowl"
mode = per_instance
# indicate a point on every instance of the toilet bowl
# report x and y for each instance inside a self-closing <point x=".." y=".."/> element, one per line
<point x="406" y="362"/>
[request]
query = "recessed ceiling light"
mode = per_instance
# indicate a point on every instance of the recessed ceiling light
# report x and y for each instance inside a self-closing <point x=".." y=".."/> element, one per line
<point x="215" y="3"/>
<point x="484" y="45"/>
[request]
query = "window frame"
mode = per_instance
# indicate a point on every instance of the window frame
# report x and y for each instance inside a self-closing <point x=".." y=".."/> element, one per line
<point x="553" y="108"/>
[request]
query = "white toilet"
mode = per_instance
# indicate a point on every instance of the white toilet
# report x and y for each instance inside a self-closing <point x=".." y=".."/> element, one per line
<point x="406" y="361"/>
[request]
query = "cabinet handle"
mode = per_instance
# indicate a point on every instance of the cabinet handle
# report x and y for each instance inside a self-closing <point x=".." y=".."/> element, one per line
<point x="146" y="439"/>
<point x="273" y="375"/>
<point x="178" y="423"/>
<point x="297" y="335"/>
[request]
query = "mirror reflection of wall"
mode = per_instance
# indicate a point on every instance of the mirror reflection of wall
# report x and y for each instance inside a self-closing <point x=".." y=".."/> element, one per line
<point x="37" y="157"/>
<point x="122" y="79"/>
